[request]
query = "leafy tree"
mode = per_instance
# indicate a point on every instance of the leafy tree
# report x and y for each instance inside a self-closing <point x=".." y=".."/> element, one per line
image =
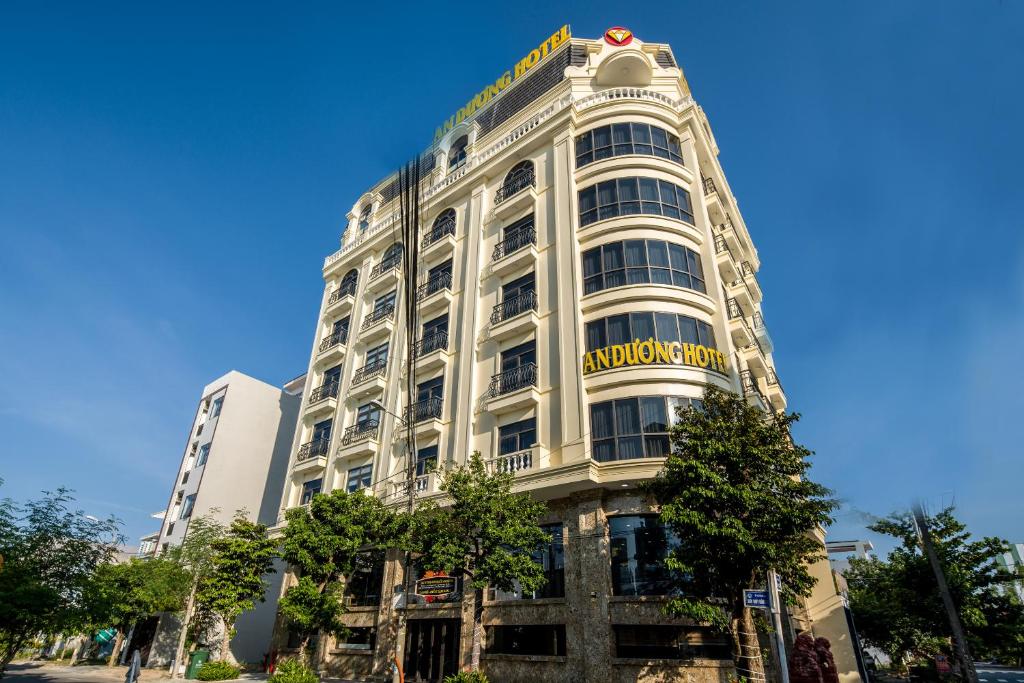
<point x="896" y="601"/>
<point x="50" y="553"/>
<point x="235" y="580"/>
<point x="734" y="490"/>
<point x="486" y="534"/>
<point x="322" y="543"/>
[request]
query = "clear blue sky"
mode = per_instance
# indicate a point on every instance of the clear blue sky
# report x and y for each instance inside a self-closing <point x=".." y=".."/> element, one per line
<point x="172" y="176"/>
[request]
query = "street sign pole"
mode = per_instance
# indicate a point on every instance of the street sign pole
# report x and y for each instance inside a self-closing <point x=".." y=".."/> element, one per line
<point x="773" y="591"/>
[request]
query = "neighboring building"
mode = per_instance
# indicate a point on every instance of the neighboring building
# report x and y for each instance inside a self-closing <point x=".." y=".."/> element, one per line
<point x="1013" y="563"/>
<point x="235" y="458"/>
<point x="575" y="206"/>
<point x="149" y="543"/>
<point x="840" y="552"/>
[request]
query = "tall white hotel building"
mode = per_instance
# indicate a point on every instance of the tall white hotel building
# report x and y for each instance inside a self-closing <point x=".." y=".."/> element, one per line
<point x="583" y="270"/>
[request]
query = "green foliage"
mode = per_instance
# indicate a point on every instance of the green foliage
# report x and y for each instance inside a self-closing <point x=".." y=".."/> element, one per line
<point x="293" y="671"/>
<point x="234" y="581"/>
<point x="218" y="671"/>
<point x="50" y="553"/>
<point x="322" y="543"/>
<point x="735" y="491"/>
<point x="467" y="677"/>
<point x="487" y="533"/>
<point x="896" y="601"/>
<point x="120" y="594"/>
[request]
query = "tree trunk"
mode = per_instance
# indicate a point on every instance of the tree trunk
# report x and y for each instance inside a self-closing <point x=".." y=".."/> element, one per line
<point x="9" y="652"/>
<point x="180" y="650"/>
<point x="478" y="628"/>
<point x="74" y="653"/>
<point x="118" y="643"/>
<point x="746" y="651"/>
<point x="225" y="643"/>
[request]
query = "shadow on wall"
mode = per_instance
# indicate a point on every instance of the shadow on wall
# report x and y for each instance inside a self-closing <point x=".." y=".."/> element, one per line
<point x="278" y="470"/>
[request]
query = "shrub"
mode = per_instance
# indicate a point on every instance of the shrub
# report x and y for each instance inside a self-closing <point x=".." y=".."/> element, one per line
<point x="217" y="671"/>
<point x="467" y="677"/>
<point x="293" y="671"/>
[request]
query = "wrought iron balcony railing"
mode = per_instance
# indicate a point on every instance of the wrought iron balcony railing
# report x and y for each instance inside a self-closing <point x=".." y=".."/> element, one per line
<point x="382" y="313"/>
<point x="721" y="247"/>
<point x="514" y="242"/>
<point x="430" y="343"/>
<point x="435" y="284"/>
<point x="349" y="288"/>
<point x="510" y="308"/>
<point x="709" y="186"/>
<point x="336" y="338"/>
<point x="427" y="409"/>
<point x="747" y="382"/>
<point x="361" y="431"/>
<point x="369" y="371"/>
<point x="385" y="267"/>
<point x="758" y="320"/>
<point x="324" y="391"/>
<point x="526" y="178"/>
<point x="313" y="449"/>
<point x="438" y="232"/>
<point x="513" y="380"/>
<point x="734" y="308"/>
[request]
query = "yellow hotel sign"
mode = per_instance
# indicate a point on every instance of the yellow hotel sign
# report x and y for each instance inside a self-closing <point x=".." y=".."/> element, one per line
<point x="652" y="352"/>
<point x="535" y="57"/>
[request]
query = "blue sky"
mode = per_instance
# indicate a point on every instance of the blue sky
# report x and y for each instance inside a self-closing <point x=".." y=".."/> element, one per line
<point x="172" y="176"/>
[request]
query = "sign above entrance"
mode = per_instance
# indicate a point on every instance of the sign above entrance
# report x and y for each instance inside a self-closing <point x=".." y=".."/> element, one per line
<point x="434" y="586"/>
<point x="618" y="36"/>
<point x="653" y="352"/>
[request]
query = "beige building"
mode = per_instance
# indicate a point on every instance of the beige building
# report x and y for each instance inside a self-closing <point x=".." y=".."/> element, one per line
<point x="583" y="269"/>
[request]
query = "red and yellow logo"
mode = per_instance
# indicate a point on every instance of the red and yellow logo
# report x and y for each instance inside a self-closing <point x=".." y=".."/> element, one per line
<point x="618" y="36"/>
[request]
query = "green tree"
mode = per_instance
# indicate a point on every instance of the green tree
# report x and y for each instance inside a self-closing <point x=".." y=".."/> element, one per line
<point x="50" y="553"/>
<point x="234" y="582"/>
<point x="734" y="489"/>
<point x="322" y="543"/>
<point x="486" y="534"/>
<point x="119" y="594"/>
<point x="896" y="601"/>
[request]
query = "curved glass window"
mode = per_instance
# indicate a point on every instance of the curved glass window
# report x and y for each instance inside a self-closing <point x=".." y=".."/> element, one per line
<point x="630" y="428"/>
<point x="626" y="138"/>
<point x="457" y="154"/>
<point x="662" y="327"/>
<point x="633" y="262"/>
<point x="625" y="196"/>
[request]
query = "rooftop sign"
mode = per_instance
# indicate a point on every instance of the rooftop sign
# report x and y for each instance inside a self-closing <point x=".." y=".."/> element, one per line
<point x="535" y="57"/>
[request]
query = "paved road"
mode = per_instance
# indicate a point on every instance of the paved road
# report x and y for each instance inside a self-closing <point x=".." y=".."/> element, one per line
<point x="45" y="673"/>
<point x="990" y="675"/>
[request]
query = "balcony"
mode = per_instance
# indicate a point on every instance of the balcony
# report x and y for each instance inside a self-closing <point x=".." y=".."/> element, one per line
<point x="378" y="323"/>
<point x="431" y="351"/>
<point x="751" y="391"/>
<point x="323" y="399"/>
<point x="756" y="361"/>
<point x="513" y="463"/>
<point x="435" y="293"/>
<point x="774" y="392"/>
<point x="517" y="193"/>
<point x="360" y="439"/>
<point x="514" y="252"/>
<point x="741" y="334"/>
<point x="709" y="187"/>
<point x="727" y="231"/>
<point x="513" y="389"/>
<point x="341" y="298"/>
<point x="514" y="315"/>
<point x="425" y="416"/>
<point x="737" y="290"/>
<point x="332" y="347"/>
<point x="762" y="332"/>
<point x="369" y="378"/>
<point x="384" y="274"/>
<point x="425" y="484"/>
<point x="438" y="239"/>
<point x="724" y="259"/>
<point x="312" y="455"/>
<point x="750" y="280"/>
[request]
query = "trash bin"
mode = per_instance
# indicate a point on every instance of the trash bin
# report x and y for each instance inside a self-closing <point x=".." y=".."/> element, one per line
<point x="196" y="660"/>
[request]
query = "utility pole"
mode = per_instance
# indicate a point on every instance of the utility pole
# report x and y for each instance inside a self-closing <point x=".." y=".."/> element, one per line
<point x="776" y="605"/>
<point x="963" y="652"/>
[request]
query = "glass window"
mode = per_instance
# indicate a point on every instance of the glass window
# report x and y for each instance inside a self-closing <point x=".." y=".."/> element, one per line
<point x="384" y="302"/>
<point x="619" y="197"/>
<point x="339" y="330"/>
<point x="378" y="354"/>
<point x="310" y="489"/>
<point x="659" y="641"/>
<point x="204" y="454"/>
<point x="639" y="262"/>
<point x="426" y="460"/>
<point x="457" y="154"/>
<point x="322" y="430"/>
<point x="364" y="218"/>
<point x="517" y="356"/>
<point x="438" y="325"/>
<point x="217" y="405"/>
<point x="359" y="478"/>
<point x="362" y="588"/>
<point x="368" y="413"/>
<point x="357" y="637"/>
<point x="639" y="546"/>
<point x="662" y="327"/>
<point x="433" y="388"/>
<point x="517" y="436"/>
<point x="626" y="138"/>
<point x="629" y="428"/>
<point x="533" y="640"/>
<point x="518" y="286"/>
<point x="190" y="503"/>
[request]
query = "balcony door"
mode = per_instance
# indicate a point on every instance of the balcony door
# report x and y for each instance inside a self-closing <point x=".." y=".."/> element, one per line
<point x="519" y="356"/>
<point x="367" y="414"/>
<point x="322" y="430"/>
<point x="518" y="287"/>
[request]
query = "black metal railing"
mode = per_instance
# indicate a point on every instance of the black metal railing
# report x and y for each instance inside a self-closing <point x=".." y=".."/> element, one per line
<point x="517" y="183"/>
<point x="427" y="409"/>
<point x="367" y="429"/>
<point x="385" y="267"/>
<point x="513" y="380"/>
<point x="324" y="391"/>
<point x="510" y="308"/>
<point x="436" y="283"/>
<point x="369" y="371"/>
<point x="438" y="232"/>
<point x="514" y="242"/>
<point x="734" y="308"/>
<point x="747" y="382"/>
<point x="773" y="379"/>
<point x="746" y="269"/>
<point x="347" y="289"/>
<point x="709" y="186"/>
<point x="430" y="343"/>
<point x="313" y="449"/>
<point x="336" y="338"/>
<point x="720" y="245"/>
<point x="758" y="320"/>
<point x="382" y="313"/>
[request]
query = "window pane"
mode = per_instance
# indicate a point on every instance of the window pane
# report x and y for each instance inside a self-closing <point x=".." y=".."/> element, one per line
<point x="615" y="278"/>
<point x="656" y="446"/>
<point x="659" y="137"/>
<point x="629" y="448"/>
<point x="668" y="328"/>
<point x="637" y="276"/>
<point x="657" y="252"/>
<point x="604" y="451"/>
<point x="627" y="416"/>
<point x="602" y="420"/>
<point x="595" y="335"/>
<point x="584" y="143"/>
<point x="628" y="190"/>
<point x="707" y="334"/>
<point x="648" y="189"/>
<point x="613" y="259"/>
<point x="641" y="133"/>
<point x="693" y="262"/>
<point x="620" y="133"/>
<point x="588" y="199"/>
<point x="636" y="253"/>
<point x="618" y="329"/>
<point x="591" y="262"/>
<point x="688" y="330"/>
<point x="653" y="414"/>
<point x="668" y="192"/>
<point x="677" y="254"/>
<point x="606" y="193"/>
<point x="602" y="136"/>
<point x="661" y="276"/>
<point x="643" y="325"/>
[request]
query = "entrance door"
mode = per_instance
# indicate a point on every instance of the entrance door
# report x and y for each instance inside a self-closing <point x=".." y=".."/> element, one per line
<point x="431" y="649"/>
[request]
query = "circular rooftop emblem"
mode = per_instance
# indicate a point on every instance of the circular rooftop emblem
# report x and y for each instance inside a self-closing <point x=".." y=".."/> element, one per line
<point x="618" y="36"/>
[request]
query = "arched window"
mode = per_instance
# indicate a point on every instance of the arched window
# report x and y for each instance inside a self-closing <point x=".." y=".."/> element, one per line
<point x="457" y="154"/>
<point x="348" y="283"/>
<point x="364" y="217"/>
<point x="392" y="254"/>
<point x="519" y="178"/>
<point x="443" y="225"/>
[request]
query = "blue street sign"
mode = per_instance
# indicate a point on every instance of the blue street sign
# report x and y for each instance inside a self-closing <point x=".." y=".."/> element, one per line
<point x="757" y="599"/>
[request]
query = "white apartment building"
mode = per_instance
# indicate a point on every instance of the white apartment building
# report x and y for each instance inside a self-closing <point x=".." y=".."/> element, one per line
<point x="235" y="458"/>
<point x="583" y="269"/>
